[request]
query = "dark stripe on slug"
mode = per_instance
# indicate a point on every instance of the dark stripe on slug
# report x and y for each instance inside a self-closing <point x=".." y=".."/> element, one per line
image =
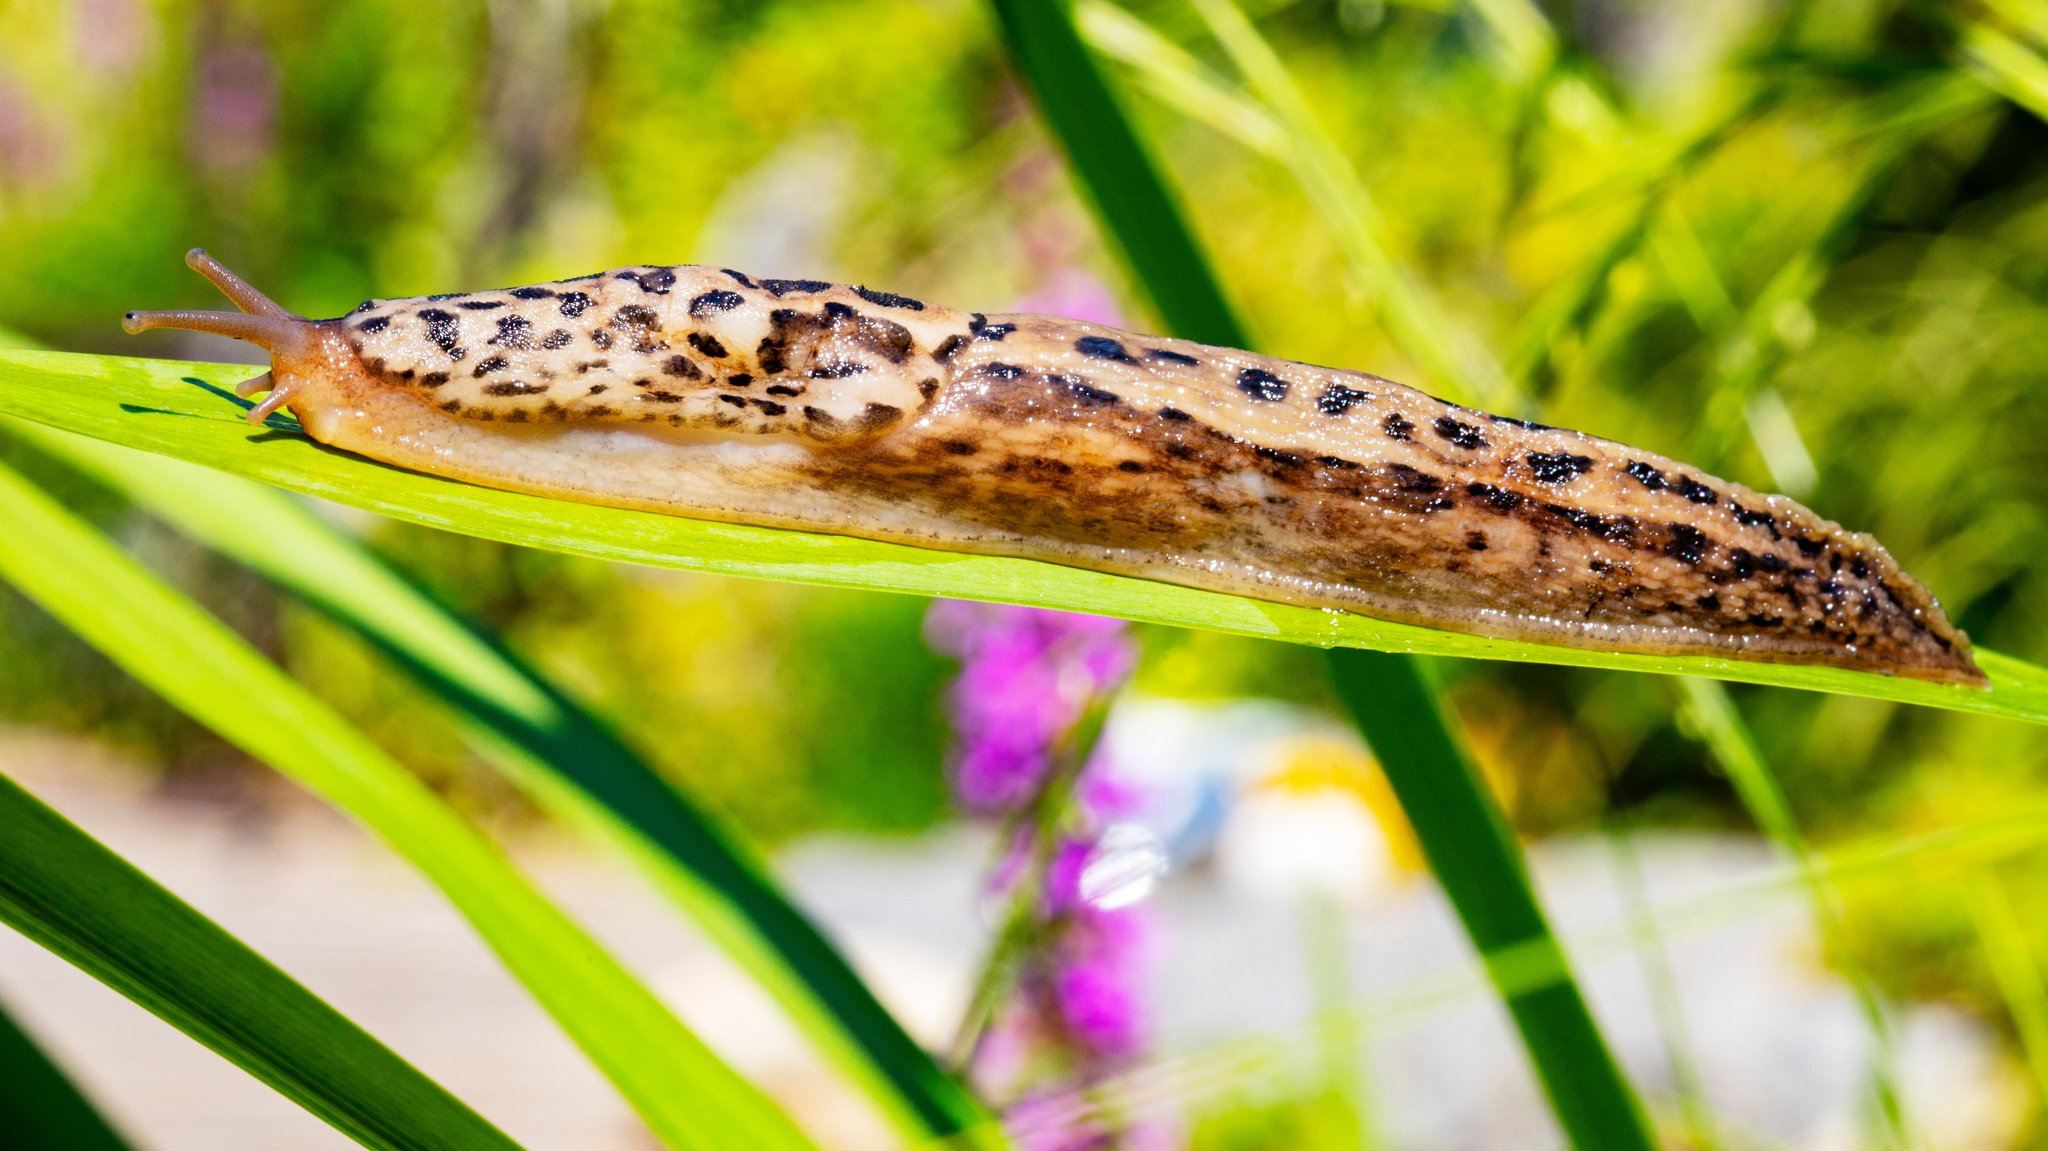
<point x="1647" y="476"/>
<point x="532" y="293"/>
<point x="716" y="300"/>
<point x="781" y="288"/>
<point x="888" y="299"/>
<point x="951" y="344"/>
<point x="740" y="278"/>
<point x="1081" y="389"/>
<point x="1002" y="371"/>
<point x="494" y="364"/>
<point x="1462" y="434"/>
<point x="514" y="388"/>
<point x="1696" y="491"/>
<point x="1171" y="357"/>
<point x="480" y="305"/>
<point x="1558" y="467"/>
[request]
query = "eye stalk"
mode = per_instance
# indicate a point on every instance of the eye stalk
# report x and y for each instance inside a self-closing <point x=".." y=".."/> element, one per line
<point x="261" y="321"/>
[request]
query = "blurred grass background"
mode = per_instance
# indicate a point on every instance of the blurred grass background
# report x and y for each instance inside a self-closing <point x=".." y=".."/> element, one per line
<point x="1804" y="244"/>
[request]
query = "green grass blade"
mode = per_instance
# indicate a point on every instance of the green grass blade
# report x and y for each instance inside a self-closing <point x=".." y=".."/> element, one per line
<point x="561" y="754"/>
<point x="1721" y="728"/>
<point x="39" y="1105"/>
<point x="2014" y="969"/>
<point x="63" y="889"/>
<point x="1462" y="832"/>
<point x="684" y="1092"/>
<point x="1455" y="363"/>
<point x="1115" y="166"/>
<point x="185" y="410"/>
<point x="1473" y="853"/>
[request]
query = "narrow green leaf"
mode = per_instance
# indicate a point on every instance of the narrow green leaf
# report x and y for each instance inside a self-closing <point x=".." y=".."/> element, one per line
<point x="39" y="1105"/>
<point x="186" y="411"/>
<point x="61" y="888"/>
<point x="1473" y="853"/>
<point x="1462" y="833"/>
<point x="2014" y="968"/>
<point x="683" y="1091"/>
<point x="561" y="754"/>
<point x="1116" y="168"/>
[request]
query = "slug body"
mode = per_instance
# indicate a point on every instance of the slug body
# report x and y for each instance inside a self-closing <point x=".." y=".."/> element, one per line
<point x="704" y="392"/>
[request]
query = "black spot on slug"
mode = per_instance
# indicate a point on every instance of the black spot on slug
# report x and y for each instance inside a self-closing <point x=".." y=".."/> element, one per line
<point x="681" y="367"/>
<point x="960" y="447"/>
<point x="1647" y="476"/>
<point x="657" y="282"/>
<point x="1082" y="390"/>
<point x="1475" y="541"/>
<point x="994" y="332"/>
<point x="708" y="345"/>
<point x="1002" y="371"/>
<point x="374" y="324"/>
<point x="1696" y="491"/>
<point x="742" y="380"/>
<point x="1338" y="399"/>
<point x="442" y="328"/>
<point x="433" y="379"/>
<point x="888" y="299"/>
<point x="532" y="293"/>
<point x="1102" y="348"/>
<point x="1262" y="385"/>
<point x="1171" y="357"/>
<point x="514" y="388"/>
<point x="515" y="332"/>
<point x="1175" y="414"/>
<point x="1396" y="427"/>
<point x="1131" y="466"/>
<point x="1499" y="499"/>
<point x="1461" y="434"/>
<point x="1558" y="467"/>
<point x="1687" y="544"/>
<point x="559" y="338"/>
<point x="575" y="304"/>
<point x="716" y="300"/>
<point x="494" y="364"/>
<point x="837" y="371"/>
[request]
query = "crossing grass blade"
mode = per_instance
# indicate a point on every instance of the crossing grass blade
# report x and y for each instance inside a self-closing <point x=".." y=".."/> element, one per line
<point x="1462" y="832"/>
<point x="687" y="1096"/>
<point x="558" y="752"/>
<point x="188" y="411"/>
<point x="39" y="1105"/>
<point x="69" y="893"/>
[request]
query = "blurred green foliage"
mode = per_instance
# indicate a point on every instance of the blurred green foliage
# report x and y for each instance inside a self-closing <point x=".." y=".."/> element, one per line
<point x="1804" y="244"/>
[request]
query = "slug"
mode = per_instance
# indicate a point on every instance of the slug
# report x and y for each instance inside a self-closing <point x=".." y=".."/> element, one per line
<point x="704" y="392"/>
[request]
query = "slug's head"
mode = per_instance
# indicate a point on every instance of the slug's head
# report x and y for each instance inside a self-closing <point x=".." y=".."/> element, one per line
<point x="307" y="357"/>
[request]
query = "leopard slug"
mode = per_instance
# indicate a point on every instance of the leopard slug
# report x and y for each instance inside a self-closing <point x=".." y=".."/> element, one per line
<point x="705" y="392"/>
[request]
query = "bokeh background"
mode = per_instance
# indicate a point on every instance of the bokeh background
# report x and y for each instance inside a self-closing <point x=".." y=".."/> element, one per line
<point x="1805" y="244"/>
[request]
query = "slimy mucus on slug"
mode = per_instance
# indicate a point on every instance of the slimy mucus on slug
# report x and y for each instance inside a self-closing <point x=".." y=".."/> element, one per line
<point x="705" y="392"/>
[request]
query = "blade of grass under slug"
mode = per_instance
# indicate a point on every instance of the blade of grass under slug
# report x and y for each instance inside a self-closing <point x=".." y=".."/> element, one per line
<point x="40" y="1108"/>
<point x="2014" y="969"/>
<point x="1721" y="728"/>
<point x="559" y="753"/>
<point x="1461" y="831"/>
<point x="687" y="1096"/>
<point x="67" y="892"/>
<point x="1473" y="854"/>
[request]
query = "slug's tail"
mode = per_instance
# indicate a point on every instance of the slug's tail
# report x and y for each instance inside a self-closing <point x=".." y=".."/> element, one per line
<point x="261" y="322"/>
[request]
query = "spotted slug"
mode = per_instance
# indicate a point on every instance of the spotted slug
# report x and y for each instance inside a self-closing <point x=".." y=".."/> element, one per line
<point x="702" y="391"/>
